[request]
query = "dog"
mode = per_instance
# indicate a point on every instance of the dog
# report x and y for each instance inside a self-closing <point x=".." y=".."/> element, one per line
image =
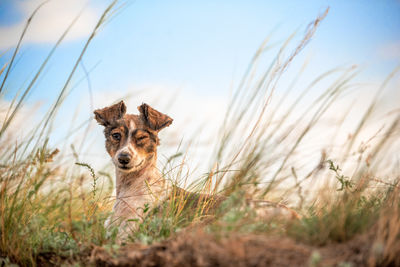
<point x="131" y="141"/>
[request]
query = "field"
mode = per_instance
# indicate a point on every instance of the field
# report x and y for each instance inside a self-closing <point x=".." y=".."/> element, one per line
<point x="53" y="207"/>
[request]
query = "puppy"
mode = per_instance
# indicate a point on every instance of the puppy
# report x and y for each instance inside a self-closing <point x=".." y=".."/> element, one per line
<point x="131" y="141"/>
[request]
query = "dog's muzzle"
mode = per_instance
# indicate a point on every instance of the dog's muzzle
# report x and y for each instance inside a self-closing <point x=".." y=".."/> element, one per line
<point x="124" y="159"/>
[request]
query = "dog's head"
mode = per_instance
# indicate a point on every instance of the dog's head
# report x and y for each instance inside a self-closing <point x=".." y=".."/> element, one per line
<point x="131" y="140"/>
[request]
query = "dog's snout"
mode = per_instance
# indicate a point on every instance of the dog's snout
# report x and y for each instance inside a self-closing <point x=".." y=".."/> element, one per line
<point x="124" y="158"/>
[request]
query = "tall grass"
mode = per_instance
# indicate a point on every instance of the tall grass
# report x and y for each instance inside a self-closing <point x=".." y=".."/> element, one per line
<point x="56" y="212"/>
<point x="45" y="207"/>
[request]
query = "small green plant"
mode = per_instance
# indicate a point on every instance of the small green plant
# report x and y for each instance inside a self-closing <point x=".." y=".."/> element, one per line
<point x="345" y="182"/>
<point x="235" y="215"/>
<point x="343" y="218"/>
<point x="93" y="174"/>
<point x="315" y="259"/>
<point x="50" y="209"/>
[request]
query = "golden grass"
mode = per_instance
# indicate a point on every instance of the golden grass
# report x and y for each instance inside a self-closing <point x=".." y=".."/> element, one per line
<point x="60" y="209"/>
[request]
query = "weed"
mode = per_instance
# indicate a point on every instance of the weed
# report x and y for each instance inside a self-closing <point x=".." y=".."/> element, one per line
<point x="345" y="183"/>
<point x="47" y="209"/>
<point x="92" y="173"/>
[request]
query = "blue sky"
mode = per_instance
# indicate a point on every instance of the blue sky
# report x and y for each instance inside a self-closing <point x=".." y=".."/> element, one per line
<point x="197" y="47"/>
<point x="201" y="46"/>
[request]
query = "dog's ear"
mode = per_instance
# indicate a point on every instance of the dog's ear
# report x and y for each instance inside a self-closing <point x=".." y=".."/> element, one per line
<point x="153" y="118"/>
<point x="107" y="115"/>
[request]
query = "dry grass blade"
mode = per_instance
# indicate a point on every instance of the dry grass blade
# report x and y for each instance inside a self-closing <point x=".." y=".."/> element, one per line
<point x="28" y="22"/>
<point x="54" y="212"/>
<point x="66" y="84"/>
<point x="3" y="68"/>
<point x="33" y="81"/>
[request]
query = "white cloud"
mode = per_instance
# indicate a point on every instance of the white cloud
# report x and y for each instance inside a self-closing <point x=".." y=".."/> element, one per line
<point x="50" y="22"/>
<point x="390" y="50"/>
<point x="194" y="115"/>
<point x="20" y="125"/>
<point x="197" y="120"/>
<point x="201" y="116"/>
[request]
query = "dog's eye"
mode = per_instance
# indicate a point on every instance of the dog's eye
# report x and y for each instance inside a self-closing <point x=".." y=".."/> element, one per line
<point x="141" y="137"/>
<point x="116" y="136"/>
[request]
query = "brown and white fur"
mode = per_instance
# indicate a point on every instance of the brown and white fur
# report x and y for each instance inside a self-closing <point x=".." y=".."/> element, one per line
<point x="131" y="141"/>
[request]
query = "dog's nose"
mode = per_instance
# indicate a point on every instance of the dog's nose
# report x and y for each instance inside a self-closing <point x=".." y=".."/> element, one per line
<point x="124" y="158"/>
